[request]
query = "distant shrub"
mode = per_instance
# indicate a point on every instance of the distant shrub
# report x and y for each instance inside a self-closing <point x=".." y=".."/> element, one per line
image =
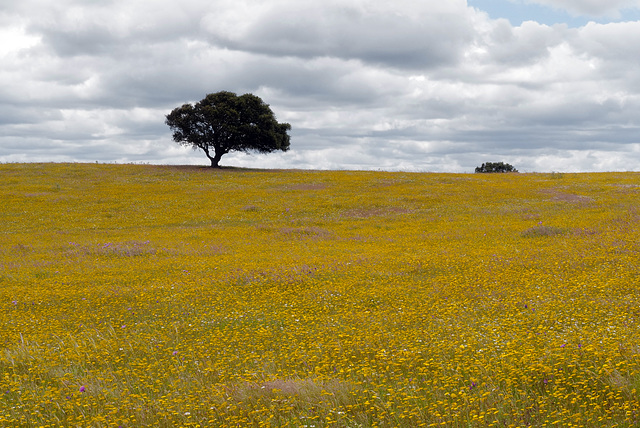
<point x="495" y="167"/>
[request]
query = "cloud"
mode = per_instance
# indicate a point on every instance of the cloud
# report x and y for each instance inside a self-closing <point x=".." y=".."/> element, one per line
<point x="421" y="86"/>
<point x="396" y="34"/>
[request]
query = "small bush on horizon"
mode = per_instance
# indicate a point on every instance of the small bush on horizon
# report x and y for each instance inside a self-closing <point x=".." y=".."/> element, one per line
<point x="490" y="167"/>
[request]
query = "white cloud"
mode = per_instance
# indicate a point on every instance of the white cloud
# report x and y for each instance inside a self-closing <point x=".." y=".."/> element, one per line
<point x="15" y="39"/>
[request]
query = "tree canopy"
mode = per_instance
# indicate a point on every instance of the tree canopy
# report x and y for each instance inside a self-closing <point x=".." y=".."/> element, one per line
<point x="225" y="122"/>
<point x="495" y="167"/>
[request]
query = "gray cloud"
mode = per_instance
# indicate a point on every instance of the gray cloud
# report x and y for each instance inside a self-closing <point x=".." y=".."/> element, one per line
<point x="401" y="34"/>
<point x="420" y="86"/>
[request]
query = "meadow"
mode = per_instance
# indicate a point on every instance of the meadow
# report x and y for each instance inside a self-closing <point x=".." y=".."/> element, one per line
<point x="166" y="296"/>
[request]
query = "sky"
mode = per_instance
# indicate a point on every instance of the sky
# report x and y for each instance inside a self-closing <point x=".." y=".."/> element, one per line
<point x="407" y="85"/>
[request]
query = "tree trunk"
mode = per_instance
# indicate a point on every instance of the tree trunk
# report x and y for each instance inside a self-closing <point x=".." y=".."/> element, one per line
<point x="215" y="159"/>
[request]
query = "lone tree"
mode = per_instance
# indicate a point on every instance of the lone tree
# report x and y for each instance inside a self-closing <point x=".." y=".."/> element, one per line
<point x="496" y="167"/>
<point x="225" y="122"/>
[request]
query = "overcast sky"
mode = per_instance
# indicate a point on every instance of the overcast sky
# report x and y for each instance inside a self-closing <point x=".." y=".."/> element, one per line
<point x="413" y="85"/>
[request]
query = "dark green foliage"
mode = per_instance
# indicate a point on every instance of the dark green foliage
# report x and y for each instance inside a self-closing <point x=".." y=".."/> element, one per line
<point x="225" y="122"/>
<point x="495" y="167"/>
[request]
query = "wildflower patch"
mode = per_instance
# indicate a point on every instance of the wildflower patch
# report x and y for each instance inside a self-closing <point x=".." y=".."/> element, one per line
<point x="136" y="295"/>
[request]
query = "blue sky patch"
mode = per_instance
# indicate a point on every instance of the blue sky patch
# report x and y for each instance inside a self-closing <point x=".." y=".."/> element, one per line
<point x="518" y="12"/>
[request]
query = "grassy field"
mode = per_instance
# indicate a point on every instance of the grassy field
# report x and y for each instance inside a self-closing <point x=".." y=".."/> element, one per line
<point x="137" y="295"/>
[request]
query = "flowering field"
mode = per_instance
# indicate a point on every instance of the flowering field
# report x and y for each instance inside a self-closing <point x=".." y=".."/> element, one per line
<point x="137" y="295"/>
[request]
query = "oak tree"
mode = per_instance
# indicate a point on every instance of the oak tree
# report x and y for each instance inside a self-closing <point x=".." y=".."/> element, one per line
<point x="225" y="122"/>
